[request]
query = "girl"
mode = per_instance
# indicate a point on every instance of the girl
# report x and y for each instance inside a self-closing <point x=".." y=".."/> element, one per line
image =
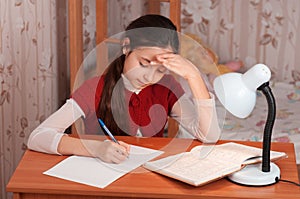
<point x="134" y="97"/>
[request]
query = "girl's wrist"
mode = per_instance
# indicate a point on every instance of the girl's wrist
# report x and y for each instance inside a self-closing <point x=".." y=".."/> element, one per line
<point x="198" y="86"/>
<point x="194" y="77"/>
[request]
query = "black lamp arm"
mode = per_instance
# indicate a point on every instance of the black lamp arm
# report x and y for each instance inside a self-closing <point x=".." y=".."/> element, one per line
<point x="266" y="90"/>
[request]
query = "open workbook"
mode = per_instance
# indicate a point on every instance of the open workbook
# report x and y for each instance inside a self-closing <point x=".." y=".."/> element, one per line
<point x="204" y="164"/>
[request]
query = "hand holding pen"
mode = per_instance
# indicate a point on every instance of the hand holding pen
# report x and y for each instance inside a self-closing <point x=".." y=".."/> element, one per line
<point x="120" y="148"/>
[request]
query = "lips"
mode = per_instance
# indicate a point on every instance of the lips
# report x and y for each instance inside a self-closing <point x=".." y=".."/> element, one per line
<point x="141" y="84"/>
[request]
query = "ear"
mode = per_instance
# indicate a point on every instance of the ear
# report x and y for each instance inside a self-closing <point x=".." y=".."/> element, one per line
<point x="126" y="45"/>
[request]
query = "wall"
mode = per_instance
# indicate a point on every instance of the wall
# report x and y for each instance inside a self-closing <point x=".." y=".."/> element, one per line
<point x="249" y="30"/>
<point x="33" y="73"/>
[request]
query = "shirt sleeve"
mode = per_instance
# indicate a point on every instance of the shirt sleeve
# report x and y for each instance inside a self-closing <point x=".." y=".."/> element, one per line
<point x="46" y="137"/>
<point x="198" y="117"/>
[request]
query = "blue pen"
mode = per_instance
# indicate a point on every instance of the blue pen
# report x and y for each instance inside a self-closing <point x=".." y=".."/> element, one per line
<point x="107" y="131"/>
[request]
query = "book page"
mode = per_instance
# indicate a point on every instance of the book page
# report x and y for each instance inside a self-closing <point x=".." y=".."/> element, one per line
<point x="94" y="172"/>
<point x="234" y="152"/>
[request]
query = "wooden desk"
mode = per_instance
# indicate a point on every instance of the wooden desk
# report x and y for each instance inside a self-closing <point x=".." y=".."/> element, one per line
<point x="29" y="182"/>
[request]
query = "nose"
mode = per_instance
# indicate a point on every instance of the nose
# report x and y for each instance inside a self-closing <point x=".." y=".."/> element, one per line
<point x="150" y="75"/>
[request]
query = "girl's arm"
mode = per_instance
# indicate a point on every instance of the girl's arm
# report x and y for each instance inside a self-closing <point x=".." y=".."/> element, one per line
<point x="198" y="115"/>
<point x="107" y="151"/>
<point x="46" y="137"/>
<point x="49" y="137"/>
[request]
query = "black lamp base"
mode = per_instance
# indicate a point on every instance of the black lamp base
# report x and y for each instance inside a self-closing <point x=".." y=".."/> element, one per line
<point x="252" y="175"/>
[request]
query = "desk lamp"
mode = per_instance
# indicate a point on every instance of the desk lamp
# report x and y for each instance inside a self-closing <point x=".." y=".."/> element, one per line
<point x="237" y="93"/>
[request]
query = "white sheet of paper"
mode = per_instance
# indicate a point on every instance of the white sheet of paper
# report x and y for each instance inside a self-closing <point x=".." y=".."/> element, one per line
<point x="94" y="172"/>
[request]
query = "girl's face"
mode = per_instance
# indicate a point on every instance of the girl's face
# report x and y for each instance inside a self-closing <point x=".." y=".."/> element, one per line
<point x="142" y="68"/>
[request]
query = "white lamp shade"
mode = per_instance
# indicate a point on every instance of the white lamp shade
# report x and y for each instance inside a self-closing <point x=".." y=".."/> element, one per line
<point x="237" y="92"/>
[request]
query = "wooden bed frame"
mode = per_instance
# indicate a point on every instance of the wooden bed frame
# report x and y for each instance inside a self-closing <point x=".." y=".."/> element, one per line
<point x="76" y="35"/>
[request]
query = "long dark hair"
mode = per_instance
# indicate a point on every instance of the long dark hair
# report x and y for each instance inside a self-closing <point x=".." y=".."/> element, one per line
<point x="147" y="30"/>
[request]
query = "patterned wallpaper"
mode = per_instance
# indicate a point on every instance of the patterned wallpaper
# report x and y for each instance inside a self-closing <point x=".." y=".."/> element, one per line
<point x="34" y="61"/>
<point x="249" y="30"/>
<point x="33" y="73"/>
<point x="253" y="31"/>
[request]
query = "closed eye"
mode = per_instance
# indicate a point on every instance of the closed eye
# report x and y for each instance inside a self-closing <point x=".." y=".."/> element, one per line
<point x="143" y="65"/>
<point x="144" y="62"/>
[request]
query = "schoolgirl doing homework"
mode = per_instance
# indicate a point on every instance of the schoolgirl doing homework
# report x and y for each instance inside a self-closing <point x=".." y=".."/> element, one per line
<point x="135" y="96"/>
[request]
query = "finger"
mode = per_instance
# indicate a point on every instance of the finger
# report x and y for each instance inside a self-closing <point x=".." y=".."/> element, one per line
<point x="122" y="150"/>
<point x="114" y="155"/>
<point x="115" y="160"/>
<point x="118" y="157"/>
<point x="125" y="145"/>
<point x="168" y="64"/>
<point x="162" y="57"/>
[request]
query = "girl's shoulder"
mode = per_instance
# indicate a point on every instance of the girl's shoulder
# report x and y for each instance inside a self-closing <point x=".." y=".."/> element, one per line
<point x="88" y="94"/>
<point x="88" y="87"/>
<point x="94" y="81"/>
<point x="90" y="83"/>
